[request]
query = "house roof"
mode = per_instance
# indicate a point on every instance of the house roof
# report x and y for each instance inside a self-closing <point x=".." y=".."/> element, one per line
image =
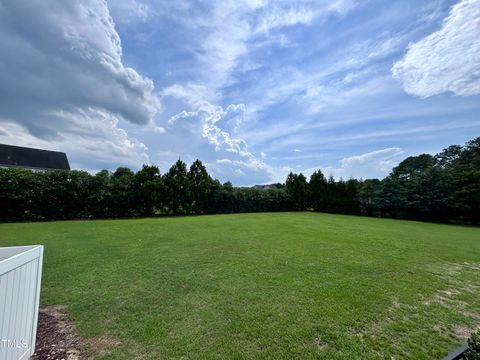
<point x="17" y="156"/>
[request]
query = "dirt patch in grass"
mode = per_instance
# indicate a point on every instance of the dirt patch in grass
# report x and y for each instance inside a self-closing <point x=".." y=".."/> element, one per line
<point x="441" y="312"/>
<point x="471" y="314"/>
<point x="103" y="345"/>
<point x="57" y="338"/>
<point x="464" y="332"/>
<point x="319" y="344"/>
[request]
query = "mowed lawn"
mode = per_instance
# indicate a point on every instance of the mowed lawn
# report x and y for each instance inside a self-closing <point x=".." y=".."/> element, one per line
<point x="262" y="286"/>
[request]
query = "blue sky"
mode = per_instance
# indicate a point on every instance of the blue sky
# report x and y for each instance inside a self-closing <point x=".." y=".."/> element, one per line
<point x="253" y="88"/>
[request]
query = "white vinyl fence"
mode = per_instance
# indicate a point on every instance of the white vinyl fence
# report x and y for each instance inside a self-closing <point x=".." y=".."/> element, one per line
<point x="20" y="277"/>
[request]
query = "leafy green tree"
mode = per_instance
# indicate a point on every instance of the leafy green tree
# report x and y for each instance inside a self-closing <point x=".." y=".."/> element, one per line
<point x="402" y="193"/>
<point x="199" y="186"/>
<point x="367" y="196"/>
<point x="444" y="187"/>
<point x="429" y="195"/>
<point x="176" y="188"/>
<point x="331" y="195"/>
<point x="448" y="157"/>
<point x="350" y="203"/>
<point x="466" y="172"/>
<point x="18" y="192"/>
<point x="122" y="200"/>
<point x="100" y="197"/>
<point x="220" y="198"/>
<point x="149" y="189"/>
<point x="391" y="200"/>
<point x="318" y="190"/>
<point x="412" y="166"/>
<point x="297" y="187"/>
<point x="60" y="194"/>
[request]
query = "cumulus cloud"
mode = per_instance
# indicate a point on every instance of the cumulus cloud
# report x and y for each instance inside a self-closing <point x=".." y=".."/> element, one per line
<point x="129" y="11"/>
<point x="201" y="129"/>
<point x="447" y="60"/>
<point x="222" y="37"/>
<point x="63" y="80"/>
<point x="92" y="136"/>
<point x="208" y="132"/>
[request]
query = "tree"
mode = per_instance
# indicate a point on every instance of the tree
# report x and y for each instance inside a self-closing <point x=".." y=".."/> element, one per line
<point x="100" y="197"/>
<point x="466" y="172"/>
<point x="148" y="186"/>
<point x="367" y="196"/>
<point x="444" y="187"/>
<point x="391" y="200"/>
<point x="429" y="195"/>
<point x="330" y="195"/>
<point x="406" y="187"/>
<point x="122" y="201"/>
<point x="297" y="187"/>
<point x="448" y="156"/>
<point x="220" y="198"/>
<point x="350" y="203"/>
<point x="318" y="190"/>
<point x="412" y="166"/>
<point x="199" y="186"/>
<point x="17" y="193"/>
<point x="176" y="188"/>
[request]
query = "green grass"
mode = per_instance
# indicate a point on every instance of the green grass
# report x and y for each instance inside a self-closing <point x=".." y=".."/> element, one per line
<point x="262" y="286"/>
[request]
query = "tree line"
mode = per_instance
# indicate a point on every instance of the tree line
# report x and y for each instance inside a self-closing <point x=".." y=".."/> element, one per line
<point x="441" y="188"/>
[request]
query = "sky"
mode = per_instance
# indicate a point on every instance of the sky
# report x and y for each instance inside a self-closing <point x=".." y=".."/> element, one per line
<point x="253" y="88"/>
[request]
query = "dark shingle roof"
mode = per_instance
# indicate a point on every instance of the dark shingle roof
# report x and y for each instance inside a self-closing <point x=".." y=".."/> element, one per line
<point x="32" y="158"/>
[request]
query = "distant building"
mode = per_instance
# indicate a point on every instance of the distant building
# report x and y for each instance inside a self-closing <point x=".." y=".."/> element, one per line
<point x="36" y="159"/>
<point x="269" y="186"/>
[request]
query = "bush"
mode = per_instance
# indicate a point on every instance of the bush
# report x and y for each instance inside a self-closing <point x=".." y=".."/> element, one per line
<point x="473" y="352"/>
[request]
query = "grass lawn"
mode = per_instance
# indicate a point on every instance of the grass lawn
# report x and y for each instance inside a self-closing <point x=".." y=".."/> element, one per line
<point x="262" y="286"/>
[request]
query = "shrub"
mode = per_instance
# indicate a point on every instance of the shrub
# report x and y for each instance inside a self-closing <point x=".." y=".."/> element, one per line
<point x="473" y="352"/>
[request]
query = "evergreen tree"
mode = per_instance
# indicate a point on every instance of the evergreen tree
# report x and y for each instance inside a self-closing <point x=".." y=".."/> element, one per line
<point x="297" y="187"/>
<point x="199" y="186"/>
<point x="149" y="189"/>
<point x="318" y="190"/>
<point x="176" y="188"/>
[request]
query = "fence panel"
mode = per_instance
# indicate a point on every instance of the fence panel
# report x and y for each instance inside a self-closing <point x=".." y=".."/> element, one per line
<point x="20" y="280"/>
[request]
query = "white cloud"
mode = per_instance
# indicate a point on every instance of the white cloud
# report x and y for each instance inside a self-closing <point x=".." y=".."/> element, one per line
<point x="376" y="163"/>
<point x="208" y="131"/>
<point x="204" y="132"/>
<point x="377" y="155"/>
<point x="223" y="32"/>
<point x="63" y="81"/>
<point x="447" y="60"/>
<point x="354" y="86"/>
<point x="128" y="11"/>
<point x="277" y="17"/>
<point x="349" y="75"/>
<point x="197" y="118"/>
<point x="92" y="137"/>
<point x="159" y="130"/>
<point x="193" y="94"/>
<point x="342" y="6"/>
